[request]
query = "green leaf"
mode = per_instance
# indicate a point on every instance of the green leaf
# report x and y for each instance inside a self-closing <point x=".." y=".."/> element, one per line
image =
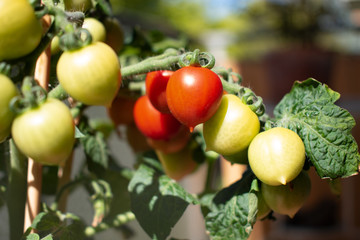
<point x="157" y="201"/>
<point x="96" y="149"/>
<point x="33" y="236"/>
<point x="73" y="231"/>
<point x="104" y="6"/>
<point x="324" y="127"/>
<point x="234" y="210"/>
<point x="45" y="221"/>
<point x="48" y="237"/>
<point x="78" y="133"/>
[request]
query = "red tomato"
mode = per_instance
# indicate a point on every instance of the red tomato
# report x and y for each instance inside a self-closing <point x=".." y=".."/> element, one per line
<point x="193" y="95"/>
<point x="121" y="110"/>
<point x="174" y="144"/>
<point x="156" y="83"/>
<point x="152" y="123"/>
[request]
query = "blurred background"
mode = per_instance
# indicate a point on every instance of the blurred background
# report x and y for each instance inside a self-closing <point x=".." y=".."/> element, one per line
<point x="273" y="43"/>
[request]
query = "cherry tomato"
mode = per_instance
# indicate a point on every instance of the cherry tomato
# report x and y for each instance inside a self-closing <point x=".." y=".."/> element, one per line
<point x="90" y="74"/>
<point x="7" y="92"/>
<point x="193" y="95"/>
<point x="231" y="129"/>
<point x="152" y="123"/>
<point x="156" y="83"/>
<point x="77" y="5"/>
<point x="276" y="156"/>
<point x="96" y="29"/>
<point x="114" y="34"/>
<point x="45" y="133"/>
<point x="288" y="199"/>
<point x="174" y="144"/>
<point x="121" y="110"/>
<point x="20" y="30"/>
<point x="179" y="164"/>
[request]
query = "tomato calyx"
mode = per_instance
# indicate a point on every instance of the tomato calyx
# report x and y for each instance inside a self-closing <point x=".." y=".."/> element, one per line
<point x="5" y="69"/>
<point x="76" y="39"/>
<point x="254" y="102"/>
<point x="33" y="95"/>
<point x="197" y="59"/>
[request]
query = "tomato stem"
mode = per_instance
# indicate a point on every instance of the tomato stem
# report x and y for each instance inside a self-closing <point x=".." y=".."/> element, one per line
<point x="165" y="61"/>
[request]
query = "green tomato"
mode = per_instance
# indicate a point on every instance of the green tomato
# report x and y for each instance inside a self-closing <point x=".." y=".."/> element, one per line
<point x="55" y="45"/>
<point x="77" y="5"/>
<point x="96" y="29"/>
<point x="7" y="92"/>
<point x="288" y="199"/>
<point x="231" y="129"/>
<point x="276" y="156"/>
<point x="90" y="74"/>
<point x="20" y="30"/>
<point x="263" y="208"/>
<point x="45" y="133"/>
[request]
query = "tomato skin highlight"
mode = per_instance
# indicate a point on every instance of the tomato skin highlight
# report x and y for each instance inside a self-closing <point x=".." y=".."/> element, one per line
<point x="90" y="74"/>
<point x="193" y="95"/>
<point x="156" y="83"/>
<point x="152" y="123"/>
<point x="20" y="31"/>
<point x="77" y="5"/>
<point x="231" y="129"/>
<point x="45" y="133"/>
<point x="276" y="156"/>
<point x="8" y="90"/>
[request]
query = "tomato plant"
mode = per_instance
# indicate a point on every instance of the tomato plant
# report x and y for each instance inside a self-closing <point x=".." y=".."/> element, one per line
<point x="193" y="95"/>
<point x="22" y="34"/>
<point x="95" y="66"/>
<point x="31" y="134"/>
<point x="153" y="123"/>
<point x="159" y="92"/>
<point x="231" y="129"/>
<point x="156" y="83"/>
<point x="7" y="92"/>
<point x="96" y="29"/>
<point x="282" y="157"/>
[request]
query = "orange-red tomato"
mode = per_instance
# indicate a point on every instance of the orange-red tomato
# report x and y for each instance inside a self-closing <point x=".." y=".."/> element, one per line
<point x="193" y="95"/>
<point x="152" y="123"/>
<point x="156" y="83"/>
<point x="121" y="110"/>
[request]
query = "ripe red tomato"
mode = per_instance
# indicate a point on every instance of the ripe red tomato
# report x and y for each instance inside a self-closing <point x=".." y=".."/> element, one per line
<point x="193" y="95"/>
<point x="152" y="123"/>
<point x="156" y="83"/>
<point x="121" y="110"/>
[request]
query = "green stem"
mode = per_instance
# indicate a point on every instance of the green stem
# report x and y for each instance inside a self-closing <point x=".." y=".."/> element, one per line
<point x="231" y="88"/>
<point x="58" y="92"/>
<point x="16" y="194"/>
<point x="117" y="222"/>
<point x="164" y="61"/>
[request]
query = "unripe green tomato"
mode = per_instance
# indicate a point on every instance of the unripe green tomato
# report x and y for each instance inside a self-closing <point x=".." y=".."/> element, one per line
<point x="288" y="199"/>
<point x="20" y="30"/>
<point x="90" y="74"/>
<point x="77" y="5"/>
<point x="45" y="133"/>
<point x="7" y="92"/>
<point x="177" y="164"/>
<point x="96" y="29"/>
<point x="276" y="156"/>
<point x="230" y="130"/>
<point x="263" y="208"/>
<point x="55" y="45"/>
